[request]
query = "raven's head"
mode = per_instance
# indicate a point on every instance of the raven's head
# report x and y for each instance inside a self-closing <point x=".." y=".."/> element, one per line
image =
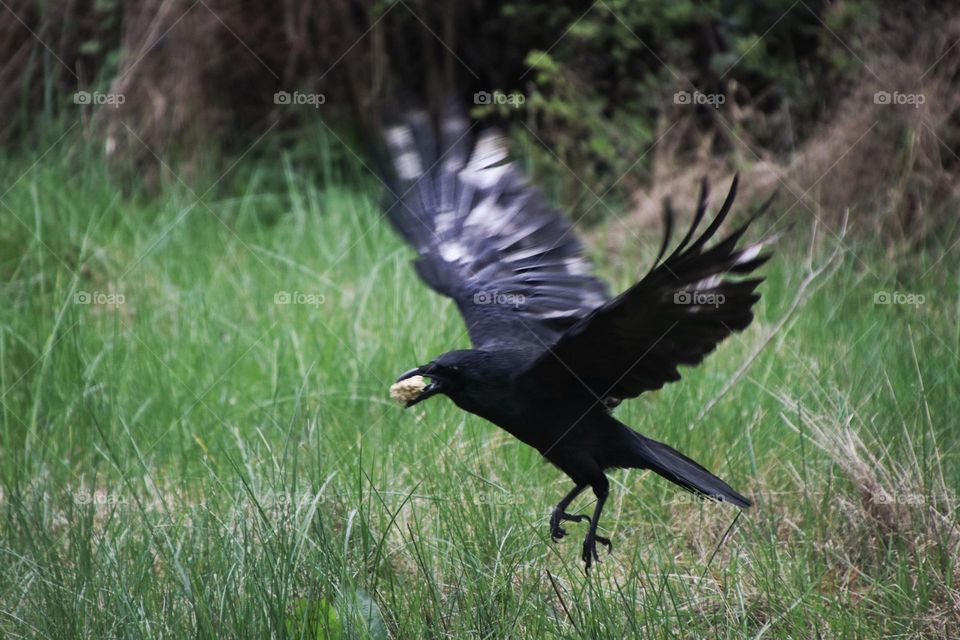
<point x="449" y="374"/>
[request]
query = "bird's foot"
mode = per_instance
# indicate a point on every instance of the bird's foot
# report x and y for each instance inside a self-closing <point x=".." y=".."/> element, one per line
<point x="590" y="548"/>
<point x="556" y="531"/>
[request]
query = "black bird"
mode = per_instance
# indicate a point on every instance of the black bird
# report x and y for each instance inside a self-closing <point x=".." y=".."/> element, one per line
<point x="552" y="352"/>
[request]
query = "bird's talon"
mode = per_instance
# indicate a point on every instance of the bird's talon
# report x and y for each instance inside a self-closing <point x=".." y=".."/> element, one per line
<point x="556" y="531"/>
<point x="590" y="554"/>
<point x="575" y="517"/>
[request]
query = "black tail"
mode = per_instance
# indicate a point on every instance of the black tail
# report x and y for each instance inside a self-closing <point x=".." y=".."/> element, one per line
<point x="679" y="469"/>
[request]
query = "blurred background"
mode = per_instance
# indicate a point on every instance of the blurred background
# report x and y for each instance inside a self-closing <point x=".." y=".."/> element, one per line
<point x="835" y="101"/>
<point x="202" y="309"/>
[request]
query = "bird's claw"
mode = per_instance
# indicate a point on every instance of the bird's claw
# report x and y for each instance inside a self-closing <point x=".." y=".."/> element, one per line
<point x="556" y="531"/>
<point x="590" y="549"/>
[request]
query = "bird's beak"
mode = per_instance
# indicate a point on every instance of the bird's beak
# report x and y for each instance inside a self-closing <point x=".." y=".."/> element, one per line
<point x="431" y="389"/>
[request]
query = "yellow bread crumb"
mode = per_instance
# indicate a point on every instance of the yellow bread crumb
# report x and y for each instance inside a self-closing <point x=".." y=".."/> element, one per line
<point x="407" y="390"/>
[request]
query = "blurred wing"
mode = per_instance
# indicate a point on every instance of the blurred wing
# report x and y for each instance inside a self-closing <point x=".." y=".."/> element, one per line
<point x="485" y="236"/>
<point x="676" y="315"/>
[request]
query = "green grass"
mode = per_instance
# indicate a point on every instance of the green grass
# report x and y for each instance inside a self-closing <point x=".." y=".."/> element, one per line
<point x="199" y="461"/>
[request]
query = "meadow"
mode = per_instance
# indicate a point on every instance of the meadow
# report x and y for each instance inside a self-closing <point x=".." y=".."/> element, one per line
<point x="196" y="438"/>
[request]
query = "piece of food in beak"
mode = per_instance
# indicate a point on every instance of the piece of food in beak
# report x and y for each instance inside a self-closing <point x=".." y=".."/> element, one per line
<point x="408" y="389"/>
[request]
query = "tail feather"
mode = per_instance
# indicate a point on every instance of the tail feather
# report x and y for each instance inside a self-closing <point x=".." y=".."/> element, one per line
<point x="681" y="470"/>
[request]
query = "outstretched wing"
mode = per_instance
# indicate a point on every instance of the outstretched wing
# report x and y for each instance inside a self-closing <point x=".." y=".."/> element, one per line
<point x="676" y="315"/>
<point x="485" y="236"/>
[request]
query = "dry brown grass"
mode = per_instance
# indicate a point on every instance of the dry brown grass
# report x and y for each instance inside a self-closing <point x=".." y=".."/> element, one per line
<point x="896" y="507"/>
<point x="894" y="166"/>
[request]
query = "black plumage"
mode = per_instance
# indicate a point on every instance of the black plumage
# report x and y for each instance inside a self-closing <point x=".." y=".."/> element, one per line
<point x="552" y="351"/>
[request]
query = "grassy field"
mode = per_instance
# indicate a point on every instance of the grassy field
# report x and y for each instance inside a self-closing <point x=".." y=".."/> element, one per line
<point x="183" y="454"/>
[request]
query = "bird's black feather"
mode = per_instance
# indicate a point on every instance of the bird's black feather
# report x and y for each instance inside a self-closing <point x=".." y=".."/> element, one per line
<point x="485" y="236"/>
<point x="675" y="316"/>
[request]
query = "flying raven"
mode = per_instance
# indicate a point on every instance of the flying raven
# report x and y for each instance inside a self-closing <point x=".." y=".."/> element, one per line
<point x="552" y="352"/>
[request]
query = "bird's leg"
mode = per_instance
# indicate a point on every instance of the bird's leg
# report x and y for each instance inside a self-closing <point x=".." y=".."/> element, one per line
<point x="560" y="513"/>
<point x="601" y="489"/>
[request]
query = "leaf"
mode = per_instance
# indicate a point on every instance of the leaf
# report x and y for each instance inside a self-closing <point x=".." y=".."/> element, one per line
<point x="359" y="608"/>
<point x="90" y="48"/>
<point x="542" y="61"/>
<point x="318" y="620"/>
